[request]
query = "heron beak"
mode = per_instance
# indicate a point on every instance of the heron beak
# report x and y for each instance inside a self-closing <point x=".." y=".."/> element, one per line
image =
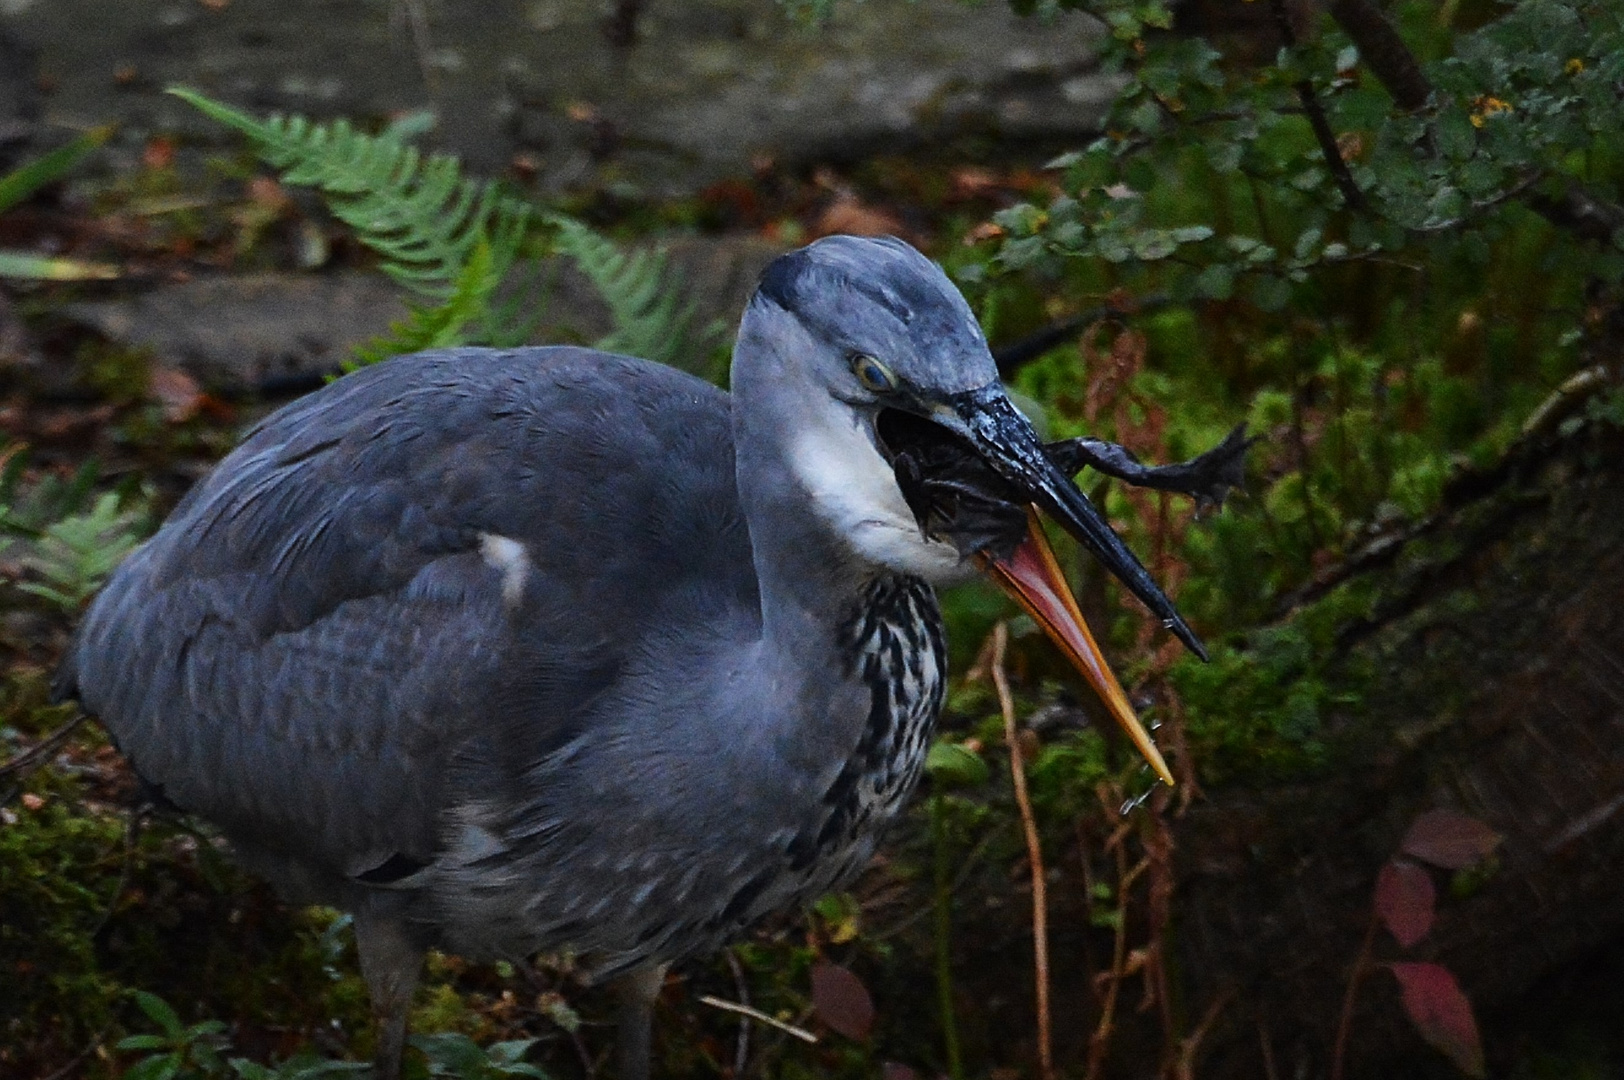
<point x="1008" y="443"/>
<point x="1032" y="576"/>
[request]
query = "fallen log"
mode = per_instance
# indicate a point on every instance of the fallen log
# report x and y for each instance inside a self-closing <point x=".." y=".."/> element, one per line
<point x="1484" y="675"/>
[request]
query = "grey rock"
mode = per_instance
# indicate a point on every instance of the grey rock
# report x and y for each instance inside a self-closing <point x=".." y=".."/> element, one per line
<point x="255" y="332"/>
<point x="19" y="99"/>
<point x="710" y="85"/>
<point x="245" y="333"/>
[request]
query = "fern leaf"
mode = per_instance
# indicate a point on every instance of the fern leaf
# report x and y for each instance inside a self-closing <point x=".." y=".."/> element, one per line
<point x="650" y="317"/>
<point x="441" y="325"/>
<point x="420" y="213"/>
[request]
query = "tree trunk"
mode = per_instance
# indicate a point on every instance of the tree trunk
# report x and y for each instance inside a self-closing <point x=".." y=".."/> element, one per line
<point x="1498" y="648"/>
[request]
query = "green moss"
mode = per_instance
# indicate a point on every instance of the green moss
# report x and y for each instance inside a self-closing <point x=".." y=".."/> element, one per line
<point x="59" y="874"/>
<point x="1263" y="711"/>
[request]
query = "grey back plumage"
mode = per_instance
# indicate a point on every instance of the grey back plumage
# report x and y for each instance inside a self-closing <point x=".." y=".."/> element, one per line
<point x="303" y="648"/>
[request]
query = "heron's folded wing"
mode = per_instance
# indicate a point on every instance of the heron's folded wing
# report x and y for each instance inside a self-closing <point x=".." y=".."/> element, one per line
<point x="326" y="617"/>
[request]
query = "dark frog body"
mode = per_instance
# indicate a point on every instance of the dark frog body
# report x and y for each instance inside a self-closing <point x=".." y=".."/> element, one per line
<point x="547" y="649"/>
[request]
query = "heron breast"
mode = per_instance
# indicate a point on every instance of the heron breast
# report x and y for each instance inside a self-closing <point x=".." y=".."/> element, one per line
<point x="896" y="648"/>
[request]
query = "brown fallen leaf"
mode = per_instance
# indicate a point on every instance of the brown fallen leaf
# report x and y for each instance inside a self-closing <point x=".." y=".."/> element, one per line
<point x="850" y="215"/>
<point x="176" y="391"/>
<point x="1450" y="839"/>
<point x="841" y="1000"/>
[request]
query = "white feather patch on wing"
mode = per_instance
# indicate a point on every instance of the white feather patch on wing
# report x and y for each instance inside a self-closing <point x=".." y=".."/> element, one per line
<point x="508" y="557"/>
<point x="855" y="491"/>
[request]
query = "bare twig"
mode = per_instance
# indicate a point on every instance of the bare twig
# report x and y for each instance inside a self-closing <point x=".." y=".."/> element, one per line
<point x="132" y="836"/>
<point x="1317" y="119"/>
<point x="741" y="1052"/>
<point x="1265" y="1044"/>
<point x="1344" y="1025"/>
<point x="36" y="755"/>
<point x="414" y="16"/>
<point x="942" y="908"/>
<point x="1579" y="211"/>
<point x="1034" y="853"/>
<point x="756" y="1014"/>
<point x="1190" y="1045"/>
<point x="1117" y="845"/>
<point x="1010" y="357"/>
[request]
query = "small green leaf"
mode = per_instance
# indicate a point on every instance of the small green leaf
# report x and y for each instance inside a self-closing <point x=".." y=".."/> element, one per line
<point x="1307" y="240"/>
<point x="955" y="765"/>
<point x="1216" y="282"/>
<point x="163" y="1067"/>
<point x="1456" y="137"/>
<point x="1151" y="246"/>
<point x="28" y="178"/>
<point x="156" y="1008"/>
<point x="1270" y="293"/>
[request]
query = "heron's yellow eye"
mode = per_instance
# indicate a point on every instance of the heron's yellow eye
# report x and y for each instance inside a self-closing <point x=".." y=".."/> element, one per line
<point x="874" y="376"/>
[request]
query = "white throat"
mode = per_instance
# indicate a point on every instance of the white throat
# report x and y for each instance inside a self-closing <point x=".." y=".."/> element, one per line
<point x="852" y="488"/>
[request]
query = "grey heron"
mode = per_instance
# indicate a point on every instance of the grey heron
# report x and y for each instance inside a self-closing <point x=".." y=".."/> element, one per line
<point x="546" y="649"/>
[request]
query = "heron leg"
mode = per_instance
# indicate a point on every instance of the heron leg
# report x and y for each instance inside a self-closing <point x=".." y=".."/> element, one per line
<point x="390" y="963"/>
<point x="637" y="990"/>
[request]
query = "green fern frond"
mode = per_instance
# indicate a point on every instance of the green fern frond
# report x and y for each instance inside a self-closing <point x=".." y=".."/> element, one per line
<point x="650" y="316"/>
<point x="419" y="212"/>
<point x="442" y="325"/>
<point x="453" y="240"/>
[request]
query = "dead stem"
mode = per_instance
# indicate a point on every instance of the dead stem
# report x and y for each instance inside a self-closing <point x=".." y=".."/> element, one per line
<point x="1101" y="1038"/>
<point x="1190" y="1045"/>
<point x="1034" y="852"/>
<point x="741" y="1050"/>
<point x="1343" y="1025"/>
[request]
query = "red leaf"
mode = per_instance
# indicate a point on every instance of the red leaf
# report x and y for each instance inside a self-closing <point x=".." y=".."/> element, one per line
<point x="1441" y="1013"/>
<point x="842" y="1000"/>
<point x="1404" y="900"/>
<point x="1450" y="839"/>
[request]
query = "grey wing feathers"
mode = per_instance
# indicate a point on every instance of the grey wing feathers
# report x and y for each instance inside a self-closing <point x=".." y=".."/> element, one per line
<point x="300" y="651"/>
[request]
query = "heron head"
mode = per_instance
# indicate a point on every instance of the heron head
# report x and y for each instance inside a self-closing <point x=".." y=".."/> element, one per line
<point x="903" y="438"/>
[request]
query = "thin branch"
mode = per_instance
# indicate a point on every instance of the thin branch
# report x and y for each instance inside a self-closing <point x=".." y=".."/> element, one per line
<point x="1519" y="190"/>
<point x="1345" y="1024"/>
<point x="1190" y="1045"/>
<point x="741" y="1052"/>
<point x="1024" y="350"/>
<point x="1579" y="212"/>
<point x="1100" y="1040"/>
<point x="32" y="758"/>
<point x="1317" y="120"/>
<point x="1034" y="853"/>
<point x="1384" y="52"/>
<point x="756" y="1014"/>
<point x="942" y="907"/>
<point x="79" y="1059"/>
